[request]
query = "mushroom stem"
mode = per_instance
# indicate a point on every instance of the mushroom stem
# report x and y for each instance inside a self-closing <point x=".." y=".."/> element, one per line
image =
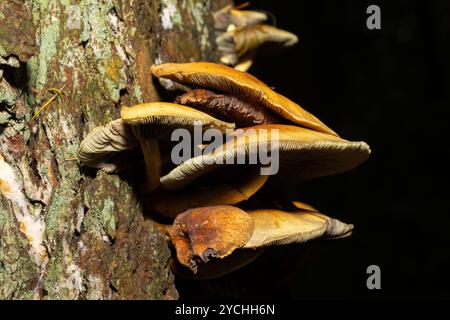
<point x="152" y="158"/>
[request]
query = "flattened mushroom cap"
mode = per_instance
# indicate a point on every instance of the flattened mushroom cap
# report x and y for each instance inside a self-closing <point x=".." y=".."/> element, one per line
<point x="102" y="144"/>
<point x="306" y="153"/>
<point x="274" y="227"/>
<point x="241" y="84"/>
<point x="156" y="119"/>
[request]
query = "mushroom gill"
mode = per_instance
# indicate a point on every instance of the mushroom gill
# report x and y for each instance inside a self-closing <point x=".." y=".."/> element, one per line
<point x="100" y="148"/>
<point x="306" y="153"/>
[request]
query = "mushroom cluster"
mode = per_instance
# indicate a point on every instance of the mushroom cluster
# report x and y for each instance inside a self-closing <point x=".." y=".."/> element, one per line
<point x="209" y="200"/>
<point x="241" y="33"/>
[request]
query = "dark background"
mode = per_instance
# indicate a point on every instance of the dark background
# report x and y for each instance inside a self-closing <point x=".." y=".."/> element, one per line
<point x="389" y="87"/>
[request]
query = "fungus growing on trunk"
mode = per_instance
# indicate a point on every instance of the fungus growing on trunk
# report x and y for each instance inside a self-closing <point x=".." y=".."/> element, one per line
<point x="206" y="224"/>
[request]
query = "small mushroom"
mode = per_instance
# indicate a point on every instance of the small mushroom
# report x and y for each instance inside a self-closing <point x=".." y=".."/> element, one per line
<point x="231" y="188"/>
<point x="241" y="42"/>
<point x="228" y="108"/>
<point x="210" y="232"/>
<point x="157" y="120"/>
<point x="102" y="145"/>
<point x="229" y="16"/>
<point x="241" y="85"/>
<point x="306" y="153"/>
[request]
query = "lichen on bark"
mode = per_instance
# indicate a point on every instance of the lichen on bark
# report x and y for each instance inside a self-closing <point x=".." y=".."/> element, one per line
<point x="97" y="242"/>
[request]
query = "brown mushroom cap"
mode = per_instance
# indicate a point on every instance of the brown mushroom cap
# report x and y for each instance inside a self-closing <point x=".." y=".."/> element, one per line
<point x="156" y="119"/>
<point x="202" y="233"/>
<point x="307" y="154"/>
<point x="99" y="148"/>
<point x="240" y="84"/>
<point x="273" y="227"/>
<point x="227" y="108"/>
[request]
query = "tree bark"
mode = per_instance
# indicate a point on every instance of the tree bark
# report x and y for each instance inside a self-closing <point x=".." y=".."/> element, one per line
<point x="67" y="232"/>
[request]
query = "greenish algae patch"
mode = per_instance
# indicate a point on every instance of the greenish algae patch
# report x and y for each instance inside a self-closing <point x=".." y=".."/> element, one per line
<point x="170" y="15"/>
<point x="50" y="35"/>
<point x="4" y="117"/>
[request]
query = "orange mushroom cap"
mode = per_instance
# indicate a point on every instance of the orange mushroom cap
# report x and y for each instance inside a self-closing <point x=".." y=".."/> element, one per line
<point x="241" y="84"/>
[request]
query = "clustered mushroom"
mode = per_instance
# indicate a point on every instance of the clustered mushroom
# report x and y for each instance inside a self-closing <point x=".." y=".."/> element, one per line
<point x="208" y="198"/>
<point x="240" y="33"/>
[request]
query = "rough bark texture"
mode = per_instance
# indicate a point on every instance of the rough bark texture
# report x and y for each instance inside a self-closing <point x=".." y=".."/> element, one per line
<point x="97" y="243"/>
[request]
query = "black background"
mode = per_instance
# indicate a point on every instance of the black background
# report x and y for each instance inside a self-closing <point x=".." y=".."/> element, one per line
<point x="389" y="87"/>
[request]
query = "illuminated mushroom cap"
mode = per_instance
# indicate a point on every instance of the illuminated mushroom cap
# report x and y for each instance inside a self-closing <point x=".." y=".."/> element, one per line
<point x="156" y="119"/>
<point x="276" y="227"/>
<point x="101" y="145"/>
<point x="240" y="84"/>
<point x="306" y="153"/>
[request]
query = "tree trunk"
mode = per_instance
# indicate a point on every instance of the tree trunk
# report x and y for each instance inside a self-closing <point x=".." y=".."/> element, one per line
<point x="67" y="232"/>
